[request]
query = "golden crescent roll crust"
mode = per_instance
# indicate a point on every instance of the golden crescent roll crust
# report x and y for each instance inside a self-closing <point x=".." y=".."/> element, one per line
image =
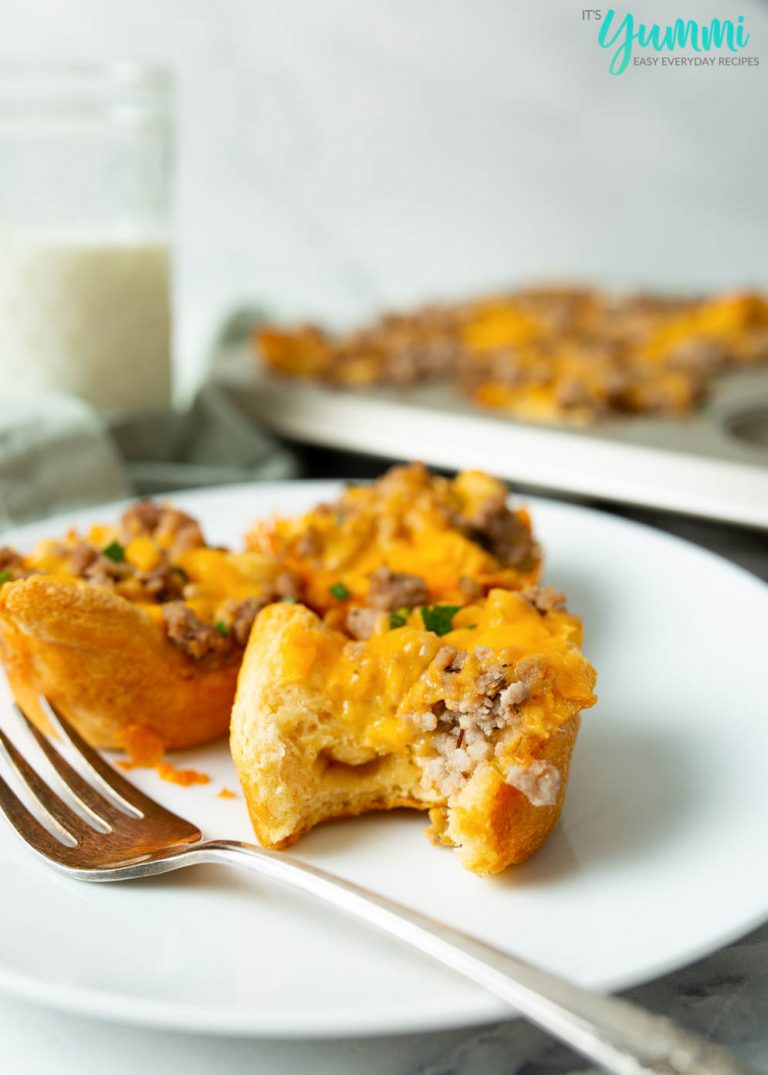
<point x="102" y="661"/>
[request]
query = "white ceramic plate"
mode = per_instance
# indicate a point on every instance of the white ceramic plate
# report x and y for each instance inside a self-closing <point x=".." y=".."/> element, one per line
<point x="660" y="856"/>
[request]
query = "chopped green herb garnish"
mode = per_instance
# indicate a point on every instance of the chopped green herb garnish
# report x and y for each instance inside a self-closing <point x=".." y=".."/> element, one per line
<point x="288" y="600"/>
<point x="339" y="591"/>
<point x="439" y="618"/>
<point x="470" y="626"/>
<point x="180" y="571"/>
<point x="222" y="628"/>
<point x="398" y="618"/>
<point x="115" y="552"/>
<point x="5" y="576"/>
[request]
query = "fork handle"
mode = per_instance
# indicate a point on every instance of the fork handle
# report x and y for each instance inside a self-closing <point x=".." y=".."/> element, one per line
<point x="616" y="1035"/>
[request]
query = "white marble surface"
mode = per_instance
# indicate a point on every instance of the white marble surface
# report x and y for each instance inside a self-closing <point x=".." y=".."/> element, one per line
<point x="342" y="154"/>
<point x="337" y="155"/>
<point x="38" y="1040"/>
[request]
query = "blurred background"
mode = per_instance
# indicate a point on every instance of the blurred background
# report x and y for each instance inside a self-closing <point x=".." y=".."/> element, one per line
<point x="337" y="156"/>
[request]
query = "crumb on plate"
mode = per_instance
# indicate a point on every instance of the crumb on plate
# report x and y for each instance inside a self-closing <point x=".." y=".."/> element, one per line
<point x="184" y="777"/>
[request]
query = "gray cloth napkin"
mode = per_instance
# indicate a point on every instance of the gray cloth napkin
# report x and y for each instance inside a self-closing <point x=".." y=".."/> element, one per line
<point x="56" y="453"/>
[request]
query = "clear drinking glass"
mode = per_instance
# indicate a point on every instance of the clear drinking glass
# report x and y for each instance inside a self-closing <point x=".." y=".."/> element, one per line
<point x="85" y="267"/>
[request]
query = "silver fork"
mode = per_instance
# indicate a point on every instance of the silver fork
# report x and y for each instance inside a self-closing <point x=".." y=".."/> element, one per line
<point x="118" y="834"/>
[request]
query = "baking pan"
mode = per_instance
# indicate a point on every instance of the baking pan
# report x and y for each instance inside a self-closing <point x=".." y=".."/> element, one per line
<point x="712" y="464"/>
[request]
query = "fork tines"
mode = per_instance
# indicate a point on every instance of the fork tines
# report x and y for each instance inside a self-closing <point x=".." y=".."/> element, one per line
<point x="98" y="818"/>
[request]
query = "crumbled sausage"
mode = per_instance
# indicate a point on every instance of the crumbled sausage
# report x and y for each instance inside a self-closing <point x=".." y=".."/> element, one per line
<point x="81" y="558"/>
<point x="389" y="590"/>
<point x="362" y="622"/>
<point x="310" y="543"/>
<point x="9" y="558"/>
<point x="497" y="528"/>
<point x="163" y="583"/>
<point x="141" y="518"/>
<point x="193" y="637"/>
<point x="491" y="680"/>
<point x="243" y="615"/>
<point x="466" y="727"/>
<point x="449" y="659"/>
<point x="185" y="533"/>
<point x="572" y="392"/>
<point x="698" y="354"/>
<point x="166" y="525"/>
<point x="12" y="565"/>
<point x="515" y="694"/>
<point x="287" y="585"/>
<point x="470" y="587"/>
<point x="544" y="598"/>
<point x="102" y="571"/>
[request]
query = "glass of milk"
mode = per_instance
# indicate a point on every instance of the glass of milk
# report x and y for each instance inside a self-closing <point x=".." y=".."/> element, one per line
<point x="85" y="183"/>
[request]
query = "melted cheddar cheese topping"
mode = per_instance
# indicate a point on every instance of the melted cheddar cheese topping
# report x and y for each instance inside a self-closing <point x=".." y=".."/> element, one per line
<point x="410" y="521"/>
<point x="379" y="685"/>
<point x="213" y="577"/>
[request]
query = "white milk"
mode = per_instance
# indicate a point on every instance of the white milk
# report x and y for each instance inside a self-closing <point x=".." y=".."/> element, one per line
<point x="89" y="316"/>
